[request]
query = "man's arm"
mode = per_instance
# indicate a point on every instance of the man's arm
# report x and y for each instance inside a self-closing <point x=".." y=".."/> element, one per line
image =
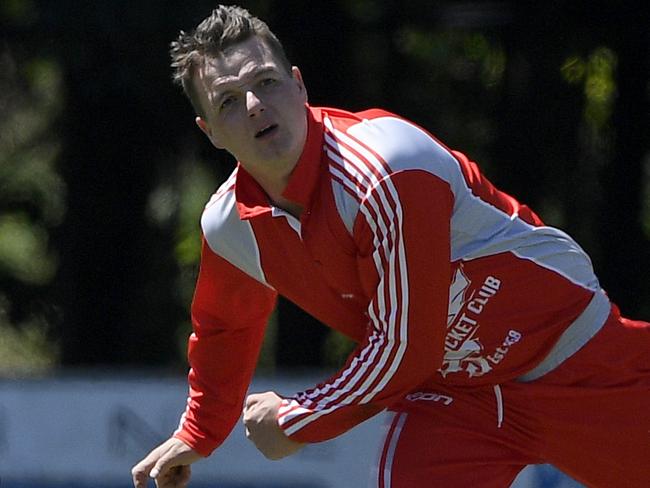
<point x="229" y="314"/>
<point x="403" y="234"/>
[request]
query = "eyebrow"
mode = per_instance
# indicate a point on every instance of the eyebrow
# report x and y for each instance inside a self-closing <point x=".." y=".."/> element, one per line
<point x="221" y="88"/>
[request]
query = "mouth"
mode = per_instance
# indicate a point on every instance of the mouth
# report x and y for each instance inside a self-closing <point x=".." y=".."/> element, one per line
<point x="269" y="129"/>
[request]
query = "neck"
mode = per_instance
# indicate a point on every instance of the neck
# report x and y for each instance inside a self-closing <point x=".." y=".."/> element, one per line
<point x="274" y="185"/>
<point x="288" y="206"/>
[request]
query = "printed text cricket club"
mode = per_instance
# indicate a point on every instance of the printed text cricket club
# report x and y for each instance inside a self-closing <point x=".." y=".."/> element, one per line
<point x="463" y="349"/>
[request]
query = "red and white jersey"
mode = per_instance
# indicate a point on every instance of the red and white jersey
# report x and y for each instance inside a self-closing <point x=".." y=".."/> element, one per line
<point x="404" y="246"/>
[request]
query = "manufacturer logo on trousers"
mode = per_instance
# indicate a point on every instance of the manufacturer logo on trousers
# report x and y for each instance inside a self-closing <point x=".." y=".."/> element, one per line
<point x="429" y="397"/>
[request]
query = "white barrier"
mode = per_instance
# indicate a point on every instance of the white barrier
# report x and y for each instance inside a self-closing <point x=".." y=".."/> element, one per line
<point x="90" y="431"/>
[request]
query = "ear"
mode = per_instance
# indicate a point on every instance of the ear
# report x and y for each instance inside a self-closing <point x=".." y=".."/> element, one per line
<point x="205" y="128"/>
<point x="297" y="76"/>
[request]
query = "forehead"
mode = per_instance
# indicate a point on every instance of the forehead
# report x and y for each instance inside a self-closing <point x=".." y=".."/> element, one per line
<point x="236" y="63"/>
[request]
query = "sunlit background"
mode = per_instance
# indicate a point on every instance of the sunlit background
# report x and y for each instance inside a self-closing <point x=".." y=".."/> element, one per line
<point x="103" y="174"/>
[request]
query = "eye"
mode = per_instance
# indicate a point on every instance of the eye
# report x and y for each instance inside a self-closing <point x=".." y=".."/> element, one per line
<point x="226" y="102"/>
<point x="268" y="82"/>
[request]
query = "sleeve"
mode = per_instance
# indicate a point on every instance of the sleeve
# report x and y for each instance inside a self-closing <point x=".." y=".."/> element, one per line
<point x="229" y="315"/>
<point x="403" y="229"/>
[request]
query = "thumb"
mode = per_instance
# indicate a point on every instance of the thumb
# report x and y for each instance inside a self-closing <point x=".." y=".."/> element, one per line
<point x="250" y="401"/>
<point x="248" y="406"/>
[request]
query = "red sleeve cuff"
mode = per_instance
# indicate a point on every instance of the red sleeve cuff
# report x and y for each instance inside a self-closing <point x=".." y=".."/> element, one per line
<point x="201" y="445"/>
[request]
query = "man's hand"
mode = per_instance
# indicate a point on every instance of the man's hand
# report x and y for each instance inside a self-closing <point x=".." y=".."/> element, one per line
<point x="168" y="464"/>
<point x="260" y="419"/>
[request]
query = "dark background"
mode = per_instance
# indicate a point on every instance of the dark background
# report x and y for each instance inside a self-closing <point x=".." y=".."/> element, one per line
<point x="103" y="173"/>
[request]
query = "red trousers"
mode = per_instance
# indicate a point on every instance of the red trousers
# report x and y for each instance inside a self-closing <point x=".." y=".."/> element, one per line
<point x="590" y="417"/>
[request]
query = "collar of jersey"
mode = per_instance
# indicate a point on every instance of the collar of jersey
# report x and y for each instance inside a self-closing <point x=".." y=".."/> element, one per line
<point x="252" y="201"/>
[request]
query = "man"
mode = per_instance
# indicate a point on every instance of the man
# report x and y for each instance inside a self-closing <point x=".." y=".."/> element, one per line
<point x="483" y="331"/>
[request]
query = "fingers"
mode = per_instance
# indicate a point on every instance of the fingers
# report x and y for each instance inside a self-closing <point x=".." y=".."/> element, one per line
<point x="183" y="476"/>
<point x="262" y="429"/>
<point x="168" y="464"/>
<point x="162" y="466"/>
<point x="249" y="407"/>
<point x="140" y="472"/>
<point x="251" y="400"/>
<point x="165" y="476"/>
<point x="176" y="477"/>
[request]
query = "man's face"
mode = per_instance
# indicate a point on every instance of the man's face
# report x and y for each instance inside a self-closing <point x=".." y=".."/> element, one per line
<point x="254" y="108"/>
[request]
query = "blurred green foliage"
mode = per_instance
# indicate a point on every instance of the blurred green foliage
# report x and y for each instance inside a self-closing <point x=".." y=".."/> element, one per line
<point x="600" y="87"/>
<point x="596" y="73"/>
<point x="26" y="349"/>
<point x="32" y="203"/>
<point x="23" y="251"/>
<point x="454" y="82"/>
<point x="336" y="349"/>
<point x="471" y="81"/>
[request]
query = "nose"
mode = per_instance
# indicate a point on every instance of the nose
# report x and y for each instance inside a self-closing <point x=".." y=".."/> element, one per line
<point x="254" y="105"/>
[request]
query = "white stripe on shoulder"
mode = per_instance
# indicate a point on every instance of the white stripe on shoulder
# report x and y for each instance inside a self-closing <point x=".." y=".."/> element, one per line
<point x="478" y="228"/>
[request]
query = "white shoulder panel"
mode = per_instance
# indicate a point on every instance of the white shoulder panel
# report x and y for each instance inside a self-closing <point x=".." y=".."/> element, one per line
<point x="404" y="146"/>
<point x="478" y="228"/>
<point x="230" y="237"/>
